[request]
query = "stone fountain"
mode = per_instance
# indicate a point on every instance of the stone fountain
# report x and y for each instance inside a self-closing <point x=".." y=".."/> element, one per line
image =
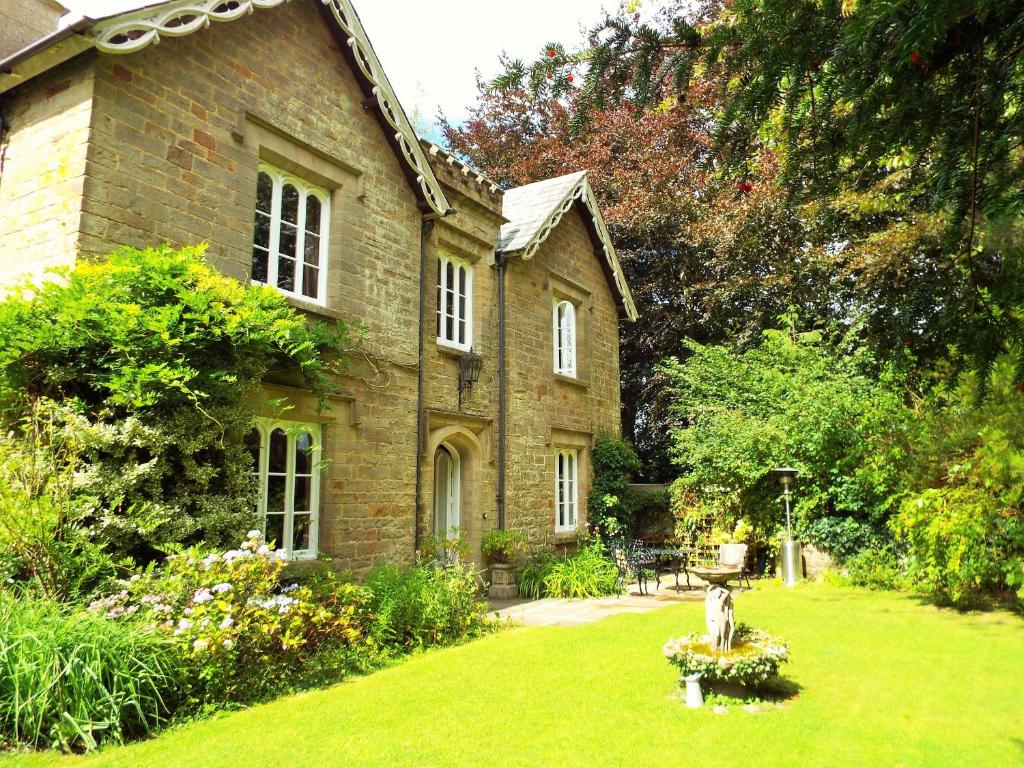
<point x="731" y="657"/>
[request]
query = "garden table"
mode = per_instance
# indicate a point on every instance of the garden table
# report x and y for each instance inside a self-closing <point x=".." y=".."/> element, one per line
<point x="680" y="561"/>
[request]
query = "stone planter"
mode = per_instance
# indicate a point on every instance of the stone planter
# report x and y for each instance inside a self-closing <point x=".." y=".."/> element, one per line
<point x="503" y="582"/>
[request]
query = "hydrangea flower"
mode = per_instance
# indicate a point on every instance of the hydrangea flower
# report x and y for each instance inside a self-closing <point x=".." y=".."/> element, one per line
<point x="200" y="645"/>
<point x="220" y="589"/>
<point x="202" y="595"/>
<point x="227" y="623"/>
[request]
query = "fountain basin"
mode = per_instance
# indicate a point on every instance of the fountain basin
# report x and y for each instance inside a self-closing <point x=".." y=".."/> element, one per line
<point x="755" y="658"/>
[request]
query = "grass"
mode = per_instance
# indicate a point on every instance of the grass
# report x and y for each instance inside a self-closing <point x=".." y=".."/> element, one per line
<point x="59" y="671"/>
<point x="883" y="681"/>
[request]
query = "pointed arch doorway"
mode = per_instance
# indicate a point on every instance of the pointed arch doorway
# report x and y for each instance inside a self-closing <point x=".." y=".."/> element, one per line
<point x="447" y="490"/>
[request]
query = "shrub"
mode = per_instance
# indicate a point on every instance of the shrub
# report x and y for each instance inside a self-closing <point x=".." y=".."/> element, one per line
<point x="841" y="537"/>
<point x="242" y="637"/>
<point x="793" y="400"/>
<point x="615" y="462"/>
<point x="44" y="544"/>
<point x="588" y="573"/>
<point x="876" y="568"/>
<point x="532" y="572"/>
<point x="503" y="546"/>
<point x="425" y="605"/>
<point x="162" y="355"/>
<point x="963" y="544"/>
<point x="71" y="679"/>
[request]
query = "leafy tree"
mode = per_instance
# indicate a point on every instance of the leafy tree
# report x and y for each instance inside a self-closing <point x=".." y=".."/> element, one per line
<point x="704" y="259"/>
<point x="962" y="516"/>
<point x="906" y="114"/>
<point x="158" y="357"/>
<point x="791" y="401"/>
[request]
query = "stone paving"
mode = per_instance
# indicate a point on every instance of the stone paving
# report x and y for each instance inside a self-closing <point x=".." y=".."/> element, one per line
<point x="552" y="612"/>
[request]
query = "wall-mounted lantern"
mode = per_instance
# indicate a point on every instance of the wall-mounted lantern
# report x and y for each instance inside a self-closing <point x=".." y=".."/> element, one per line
<point x="469" y="372"/>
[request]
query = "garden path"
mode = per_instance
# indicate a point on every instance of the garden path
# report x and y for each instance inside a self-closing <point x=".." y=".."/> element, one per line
<point x="558" y="612"/>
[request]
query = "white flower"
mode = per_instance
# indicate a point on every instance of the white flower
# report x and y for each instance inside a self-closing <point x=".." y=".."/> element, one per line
<point x="289" y="588"/>
<point x="228" y="643"/>
<point x="209" y="560"/>
<point x="254" y="534"/>
<point x="204" y="623"/>
<point x="263" y="550"/>
<point x="220" y="589"/>
<point x="202" y="595"/>
<point x="200" y="645"/>
<point x="228" y="621"/>
<point x="184" y="624"/>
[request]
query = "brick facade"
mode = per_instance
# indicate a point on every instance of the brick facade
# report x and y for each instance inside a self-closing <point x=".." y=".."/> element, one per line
<point x="163" y="145"/>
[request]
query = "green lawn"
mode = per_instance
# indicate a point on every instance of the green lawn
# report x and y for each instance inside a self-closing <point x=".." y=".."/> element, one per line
<point x="884" y="682"/>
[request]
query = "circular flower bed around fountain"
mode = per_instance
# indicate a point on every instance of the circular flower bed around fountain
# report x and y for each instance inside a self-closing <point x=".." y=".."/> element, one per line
<point x="754" y="659"/>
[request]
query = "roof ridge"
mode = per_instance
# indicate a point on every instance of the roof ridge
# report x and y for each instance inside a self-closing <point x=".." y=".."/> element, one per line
<point x="467" y="169"/>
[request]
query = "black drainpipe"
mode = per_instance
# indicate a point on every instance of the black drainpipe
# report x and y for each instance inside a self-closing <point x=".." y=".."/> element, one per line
<point x="499" y="258"/>
<point x="428" y="225"/>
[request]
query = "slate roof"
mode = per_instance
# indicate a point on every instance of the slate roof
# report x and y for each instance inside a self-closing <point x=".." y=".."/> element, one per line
<point x="527" y="208"/>
<point x="534" y="210"/>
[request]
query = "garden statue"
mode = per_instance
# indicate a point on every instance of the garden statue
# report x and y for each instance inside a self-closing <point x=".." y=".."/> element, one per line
<point x="719" y="618"/>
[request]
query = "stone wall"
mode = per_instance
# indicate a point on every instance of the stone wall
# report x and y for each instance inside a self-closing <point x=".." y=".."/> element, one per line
<point x="178" y="132"/>
<point x="548" y="411"/>
<point x="43" y="169"/>
<point x="164" y="146"/>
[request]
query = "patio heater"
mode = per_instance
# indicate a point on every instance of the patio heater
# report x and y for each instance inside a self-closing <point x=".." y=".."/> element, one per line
<point x="791" y="560"/>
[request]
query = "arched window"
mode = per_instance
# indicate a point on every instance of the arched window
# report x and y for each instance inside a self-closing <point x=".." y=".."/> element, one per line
<point x="289" y="248"/>
<point x="454" y="303"/>
<point x="564" y="334"/>
<point x="287" y="468"/>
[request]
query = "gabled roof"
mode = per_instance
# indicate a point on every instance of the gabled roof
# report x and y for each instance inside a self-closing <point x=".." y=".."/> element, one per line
<point x="126" y="26"/>
<point x="534" y="210"/>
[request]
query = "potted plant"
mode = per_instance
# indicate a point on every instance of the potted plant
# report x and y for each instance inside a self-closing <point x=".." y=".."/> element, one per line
<point x="502" y="548"/>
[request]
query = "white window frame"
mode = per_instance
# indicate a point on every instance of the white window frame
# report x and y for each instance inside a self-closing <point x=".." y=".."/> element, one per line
<point x="564" y="337"/>
<point x="292" y="429"/>
<point x="279" y="178"/>
<point x="567" y="490"/>
<point x="443" y="291"/>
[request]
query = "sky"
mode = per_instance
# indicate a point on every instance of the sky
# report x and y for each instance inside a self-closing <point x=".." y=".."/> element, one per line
<point x="431" y="49"/>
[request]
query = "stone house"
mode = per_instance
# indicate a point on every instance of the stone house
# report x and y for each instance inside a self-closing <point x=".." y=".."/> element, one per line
<point x="267" y="129"/>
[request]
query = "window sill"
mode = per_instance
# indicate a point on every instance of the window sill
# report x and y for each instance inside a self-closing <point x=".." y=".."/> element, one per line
<point x="312" y="308"/>
<point x="451" y="350"/>
<point x="566" y="536"/>
<point x="573" y="380"/>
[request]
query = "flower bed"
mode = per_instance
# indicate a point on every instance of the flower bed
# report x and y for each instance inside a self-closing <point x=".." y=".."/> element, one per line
<point x="755" y="657"/>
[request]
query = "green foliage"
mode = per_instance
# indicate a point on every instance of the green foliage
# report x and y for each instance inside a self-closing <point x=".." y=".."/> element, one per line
<point x="791" y="401"/>
<point x="503" y="546"/>
<point x="896" y="117"/>
<point x="877" y="568"/>
<point x="754" y="660"/>
<point x="44" y="544"/>
<point x="240" y="636"/>
<point x="70" y="679"/>
<point x="443" y="547"/>
<point x="532" y="572"/>
<point x="161" y="355"/>
<point x="615" y="463"/>
<point x="588" y="573"/>
<point x="424" y="606"/>
<point x="841" y="537"/>
<point x="962" y="517"/>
